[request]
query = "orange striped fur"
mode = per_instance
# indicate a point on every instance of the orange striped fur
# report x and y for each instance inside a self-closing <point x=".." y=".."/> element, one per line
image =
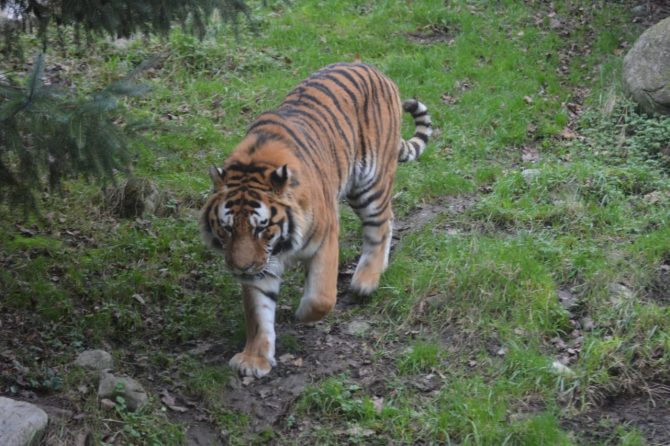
<point x="275" y="200"/>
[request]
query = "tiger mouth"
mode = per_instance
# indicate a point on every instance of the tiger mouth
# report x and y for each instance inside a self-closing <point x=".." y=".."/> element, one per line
<point x="247" y="276"/>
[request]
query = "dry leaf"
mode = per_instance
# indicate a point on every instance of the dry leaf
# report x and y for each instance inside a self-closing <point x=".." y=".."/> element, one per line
<point x="171" y="403"/>
<point x="568" y="134"/>
<point x="378" y="403"/>
<point x="286" y="357"/>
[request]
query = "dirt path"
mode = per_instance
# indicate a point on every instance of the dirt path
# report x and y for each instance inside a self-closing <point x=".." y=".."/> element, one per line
<point x="340" y="344"/>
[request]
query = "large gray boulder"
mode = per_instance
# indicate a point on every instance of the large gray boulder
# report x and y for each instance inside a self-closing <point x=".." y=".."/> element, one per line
<point x="646" y="69"/>
<point x="21" y="423"/>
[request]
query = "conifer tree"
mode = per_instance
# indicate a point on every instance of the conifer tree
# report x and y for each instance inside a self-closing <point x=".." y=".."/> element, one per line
<point x="121" y="18"/>
<point x="47" y="134"/>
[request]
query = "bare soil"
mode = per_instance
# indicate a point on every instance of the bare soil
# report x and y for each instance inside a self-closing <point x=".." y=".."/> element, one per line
<point x="648" y="413"/>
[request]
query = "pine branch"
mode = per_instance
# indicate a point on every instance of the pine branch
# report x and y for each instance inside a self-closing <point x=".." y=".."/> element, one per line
<point x="46" y="134"/>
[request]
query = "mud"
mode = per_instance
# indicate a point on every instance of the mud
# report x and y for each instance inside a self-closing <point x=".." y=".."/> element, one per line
<point x="648" y="413"/>
<point x="433" y="34"/>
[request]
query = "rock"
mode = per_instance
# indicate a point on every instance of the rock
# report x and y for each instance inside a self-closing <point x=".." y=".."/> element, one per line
<point x="357" y="328"/>
<point x="562" y="369"/>
<point x="136" y="197"/>
<point x="94" y="360"/>
<point x="131" y="391"/>
<point x="620" y="293"/>
<point x="21" y="423"/>
<point x="639" y="10"/>
<point x="529" y="175"/>
<point x="646" y="69"/>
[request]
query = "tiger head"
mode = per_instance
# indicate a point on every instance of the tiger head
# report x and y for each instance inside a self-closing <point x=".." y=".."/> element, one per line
<point x="247" y="218"/>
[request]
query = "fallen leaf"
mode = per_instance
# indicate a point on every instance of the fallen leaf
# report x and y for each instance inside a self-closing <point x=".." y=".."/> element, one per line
<point x="107" y="404"/>
<point x="378" y="403"/>
<point x="286" y="357"/>
<point x="528" y="99"/>
<point x="530" y="155"/>
<point x="171" y="403"/>
<point x="568" y="134"/>
<point x="298" y="362"/>
<point x="247" y="380"/>
<point x="448" y="99"/>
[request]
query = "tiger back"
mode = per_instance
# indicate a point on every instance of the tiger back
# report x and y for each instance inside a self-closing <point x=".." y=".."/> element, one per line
<point x="275" y="200"/>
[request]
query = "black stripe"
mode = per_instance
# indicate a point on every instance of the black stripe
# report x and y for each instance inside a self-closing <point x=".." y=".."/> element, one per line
<point x="299" y="142"/>
<point x="262" y="137"/>
<point x="269" y="294"/>
<point x="376" y="102"/>
<point x="420" y="115"/>
<point x="374" y="223"/>
<point x="291" y="223"/>
<point x="205" y="216"/>
<point x="288" y="130"/>
<point x="411" y="106"/>
<point x="329" y="133"/>
<point x="367" y="201"/>
<point x="325" y="90"/>
<point x="319" y="124"/>
<point x="422" y="136"/>
<point x="346" y="89"/>
<point x="365" y="189"/>
<point x="309" y="239"/>
<point x="247" y="168"/>
<point x="373" y="242"/>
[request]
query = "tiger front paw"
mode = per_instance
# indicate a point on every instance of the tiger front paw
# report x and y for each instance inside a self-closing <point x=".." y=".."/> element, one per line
<point x="312" y="310"/>
<point x="249" y="365"/>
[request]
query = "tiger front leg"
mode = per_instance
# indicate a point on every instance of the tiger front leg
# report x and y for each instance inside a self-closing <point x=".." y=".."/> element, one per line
<point x="321" y="284"/>
<point x="257" y="358"/>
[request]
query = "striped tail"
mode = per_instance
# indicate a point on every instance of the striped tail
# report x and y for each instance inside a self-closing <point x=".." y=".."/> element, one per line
<point x="412" y="149"/>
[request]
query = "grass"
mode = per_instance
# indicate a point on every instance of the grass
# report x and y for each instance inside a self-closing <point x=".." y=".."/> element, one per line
<point x="479" y="287"/>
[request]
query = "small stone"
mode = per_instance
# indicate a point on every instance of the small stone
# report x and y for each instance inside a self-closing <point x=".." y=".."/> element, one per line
<point x="621" y="292"/>
<point x="587" y="324"/>
<point x="94" y="360"/>
<point x="562" y="369"/>
<point x="131" y="391"/>
<point x="638" y="10"/>
<point x="107" y="403"/>
<point x="567" y="299"/>
<point x="21" y="423"/>
<point x="529" y="175"/>
<point x="357" y="328"/>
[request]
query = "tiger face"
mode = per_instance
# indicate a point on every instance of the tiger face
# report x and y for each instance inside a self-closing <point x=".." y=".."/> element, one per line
<point x="246" y="218"/>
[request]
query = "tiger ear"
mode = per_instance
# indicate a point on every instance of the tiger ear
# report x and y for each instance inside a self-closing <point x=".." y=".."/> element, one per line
<point x="217" y="174"/>
<point x="280" y="178"/>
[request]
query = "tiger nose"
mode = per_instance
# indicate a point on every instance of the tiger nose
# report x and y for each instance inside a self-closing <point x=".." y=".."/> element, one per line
<point x="244" y="268"/>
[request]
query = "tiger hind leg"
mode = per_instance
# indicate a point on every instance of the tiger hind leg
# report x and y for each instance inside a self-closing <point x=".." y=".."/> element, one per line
<point x="377" y="232"/>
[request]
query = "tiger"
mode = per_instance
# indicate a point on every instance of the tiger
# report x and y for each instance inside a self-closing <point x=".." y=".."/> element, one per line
<point x="274" y="201"/>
